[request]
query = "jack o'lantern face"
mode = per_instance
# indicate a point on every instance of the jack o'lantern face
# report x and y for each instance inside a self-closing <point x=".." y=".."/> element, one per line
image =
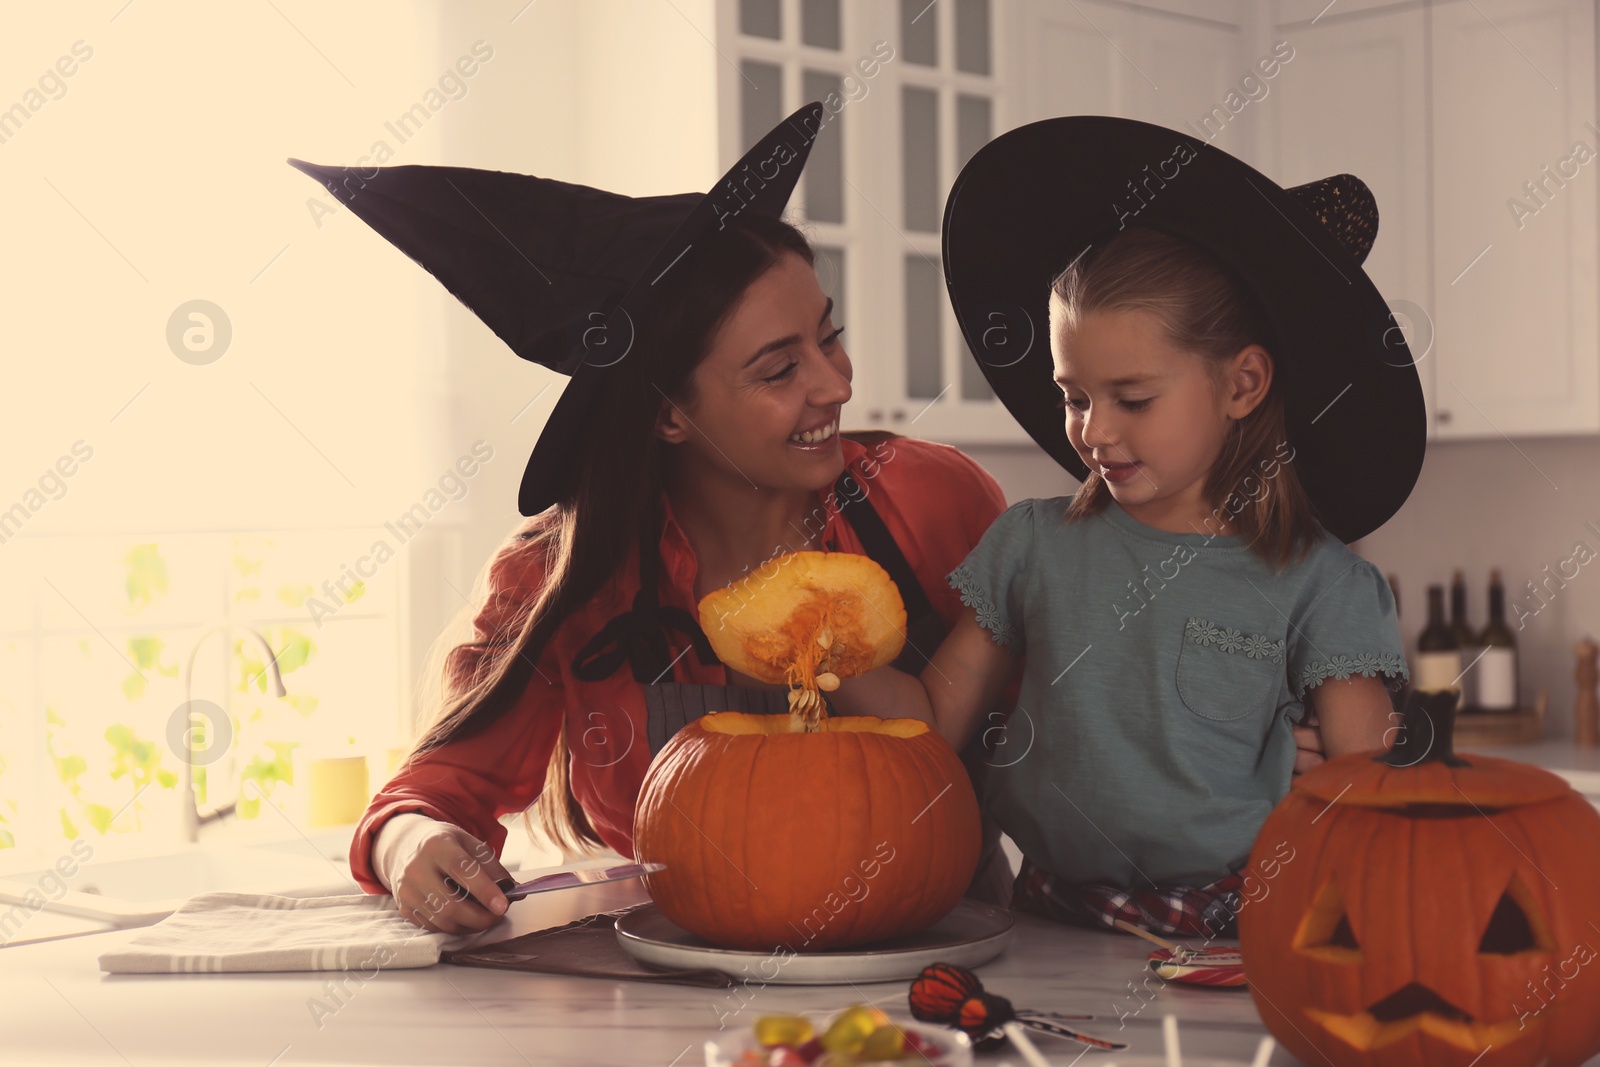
<point x="1515" y="930"/>
<point x="1439" y="907"/>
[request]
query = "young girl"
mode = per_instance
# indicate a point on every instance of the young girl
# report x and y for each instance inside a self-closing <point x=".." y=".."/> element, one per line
<point x="1176" y="617"/>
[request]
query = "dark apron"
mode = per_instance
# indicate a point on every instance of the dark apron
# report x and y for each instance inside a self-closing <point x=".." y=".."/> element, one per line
<point x="639" y="637"/>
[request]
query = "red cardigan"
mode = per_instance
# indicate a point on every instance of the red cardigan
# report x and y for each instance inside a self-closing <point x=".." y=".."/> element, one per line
<point x="936" y="503"/>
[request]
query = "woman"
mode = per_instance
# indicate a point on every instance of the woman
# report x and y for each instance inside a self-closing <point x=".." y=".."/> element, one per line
<point x="697" y="439"/>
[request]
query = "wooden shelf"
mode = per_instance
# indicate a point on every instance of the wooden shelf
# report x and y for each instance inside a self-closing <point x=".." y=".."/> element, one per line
<point x="1523" y="726"/>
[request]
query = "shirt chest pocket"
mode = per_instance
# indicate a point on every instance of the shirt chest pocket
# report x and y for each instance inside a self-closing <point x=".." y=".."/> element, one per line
<point x="1226" y="673"/>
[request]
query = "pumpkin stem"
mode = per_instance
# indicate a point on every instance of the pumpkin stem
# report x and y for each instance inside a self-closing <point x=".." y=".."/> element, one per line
<point x="1426" y="731"/>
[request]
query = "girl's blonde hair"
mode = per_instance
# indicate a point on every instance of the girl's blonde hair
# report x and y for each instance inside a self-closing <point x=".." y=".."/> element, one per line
<point x="1204" y="308"/>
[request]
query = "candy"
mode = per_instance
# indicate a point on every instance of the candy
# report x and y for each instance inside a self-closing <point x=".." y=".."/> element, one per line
<point x="887" y="1042"/>
<point x="851" y="1027"/>
<point x="860" y="1034"/>
<point x="793" y="1030"/>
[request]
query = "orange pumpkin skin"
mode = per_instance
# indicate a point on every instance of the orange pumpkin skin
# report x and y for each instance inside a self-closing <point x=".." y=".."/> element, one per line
<point x="1391" y="903"/>
<point x="806" y="841"/>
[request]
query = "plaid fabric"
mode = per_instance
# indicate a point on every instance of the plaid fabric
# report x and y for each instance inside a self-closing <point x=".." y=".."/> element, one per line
<point x="1174" y="911"/>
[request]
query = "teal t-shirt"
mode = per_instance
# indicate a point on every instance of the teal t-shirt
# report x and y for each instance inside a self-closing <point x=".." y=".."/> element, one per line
<point x="1164" y="674"/>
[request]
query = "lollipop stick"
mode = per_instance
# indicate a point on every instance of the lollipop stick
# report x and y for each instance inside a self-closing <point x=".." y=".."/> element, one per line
<point x="1169" y="1038"/>
<point x="1139" y="931"/>
<point x="1263" y="1052"/>
<point x="1019" y="1037"/>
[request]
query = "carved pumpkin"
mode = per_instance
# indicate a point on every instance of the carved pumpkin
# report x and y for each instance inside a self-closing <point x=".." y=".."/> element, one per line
<point x="805" y="832"/>
<point x="1434" y="907"/>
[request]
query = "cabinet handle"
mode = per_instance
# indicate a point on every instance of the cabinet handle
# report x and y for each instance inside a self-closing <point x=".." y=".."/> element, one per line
<point x="899" y="415"/>
<point x="1442" y="416"/>
<point x="874" y="415"/>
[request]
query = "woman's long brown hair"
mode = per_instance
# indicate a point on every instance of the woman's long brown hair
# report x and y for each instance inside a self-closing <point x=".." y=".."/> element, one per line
<point x="1206" y="309"/>
<point x="614" y="505"/>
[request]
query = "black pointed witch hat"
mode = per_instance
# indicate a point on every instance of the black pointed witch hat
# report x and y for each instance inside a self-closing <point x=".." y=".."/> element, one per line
<point x="560" y="271"/>
<point x="1036" y="197"/>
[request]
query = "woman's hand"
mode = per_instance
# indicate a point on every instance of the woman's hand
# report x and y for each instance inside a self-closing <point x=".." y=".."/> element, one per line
<point x="1308" y="745"/>
<point x="413" y="855"/>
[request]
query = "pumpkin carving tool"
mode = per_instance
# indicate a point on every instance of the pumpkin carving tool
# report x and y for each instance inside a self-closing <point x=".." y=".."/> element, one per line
<point x="561" y="878"/>
<point x="951" y="995"/>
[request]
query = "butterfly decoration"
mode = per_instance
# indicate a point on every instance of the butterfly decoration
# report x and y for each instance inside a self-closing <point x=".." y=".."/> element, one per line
<point x="950" y="995"/>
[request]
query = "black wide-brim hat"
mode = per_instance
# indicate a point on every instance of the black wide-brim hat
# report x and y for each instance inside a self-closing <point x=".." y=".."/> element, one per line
<point x="1033" y="199"/>
<point x="561" y="272"/>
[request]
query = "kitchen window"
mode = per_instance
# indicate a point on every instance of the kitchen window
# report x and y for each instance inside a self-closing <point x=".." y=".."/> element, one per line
<point x="95" y="632"/>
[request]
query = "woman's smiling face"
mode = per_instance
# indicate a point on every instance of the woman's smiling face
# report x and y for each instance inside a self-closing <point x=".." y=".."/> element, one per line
<point x="763" y="406"/>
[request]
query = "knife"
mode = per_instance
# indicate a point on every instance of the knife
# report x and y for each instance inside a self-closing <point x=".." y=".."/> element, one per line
<point x="562" y="880"/>
<point x="587" y="876"/>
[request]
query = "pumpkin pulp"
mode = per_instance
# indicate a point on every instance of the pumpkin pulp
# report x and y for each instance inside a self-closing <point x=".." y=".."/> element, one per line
<point x="815" y="618"/>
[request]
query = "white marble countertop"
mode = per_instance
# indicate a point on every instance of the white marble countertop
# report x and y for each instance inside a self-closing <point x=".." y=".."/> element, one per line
<point x="58" y="1007"/>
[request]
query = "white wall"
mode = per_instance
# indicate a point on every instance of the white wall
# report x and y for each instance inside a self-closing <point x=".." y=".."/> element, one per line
<point x="609" y="93"/>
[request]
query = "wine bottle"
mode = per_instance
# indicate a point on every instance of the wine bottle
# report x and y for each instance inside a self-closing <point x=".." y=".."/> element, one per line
<point x="1497" y="670"/>
<point x="1466" y="640"/>
<point x="1438" y="652"/>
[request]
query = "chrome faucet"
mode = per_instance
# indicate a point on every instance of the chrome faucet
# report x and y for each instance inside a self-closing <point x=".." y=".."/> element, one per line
<point x="192" y="817"/>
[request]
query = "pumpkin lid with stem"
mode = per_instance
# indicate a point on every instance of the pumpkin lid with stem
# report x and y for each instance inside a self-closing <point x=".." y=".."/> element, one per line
<point x="1420" y="772"/>
<point x="807" y="619"/>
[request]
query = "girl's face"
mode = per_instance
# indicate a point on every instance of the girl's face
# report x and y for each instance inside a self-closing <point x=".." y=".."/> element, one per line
<point x="763" y="408"/>
<point x="1149" y="416"/>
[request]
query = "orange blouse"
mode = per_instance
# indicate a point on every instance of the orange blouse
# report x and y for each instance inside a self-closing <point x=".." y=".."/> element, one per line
<point x="935" y="501"/>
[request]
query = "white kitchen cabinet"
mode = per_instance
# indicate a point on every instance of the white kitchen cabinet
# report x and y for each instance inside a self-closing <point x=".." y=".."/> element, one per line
<point x="1052" y="59"/>
<point x="900" y="134"/>
<point x="1165" y="67"/>
<point x="961" y="73"/>
<point x="1452" y="111"/>
<point x="1354" y="99"/>
<point x="1446" y="111"/>
<point x="1513" y="99"/>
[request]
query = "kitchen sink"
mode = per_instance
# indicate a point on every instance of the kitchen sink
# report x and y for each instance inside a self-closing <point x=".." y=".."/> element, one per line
<point x="140" y="890"/>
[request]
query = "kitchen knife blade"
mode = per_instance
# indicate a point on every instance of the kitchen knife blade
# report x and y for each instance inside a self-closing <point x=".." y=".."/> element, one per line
<point x="588" y="876"/>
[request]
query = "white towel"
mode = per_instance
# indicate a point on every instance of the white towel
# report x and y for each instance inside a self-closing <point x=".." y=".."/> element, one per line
<point x="260" y="932"/>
